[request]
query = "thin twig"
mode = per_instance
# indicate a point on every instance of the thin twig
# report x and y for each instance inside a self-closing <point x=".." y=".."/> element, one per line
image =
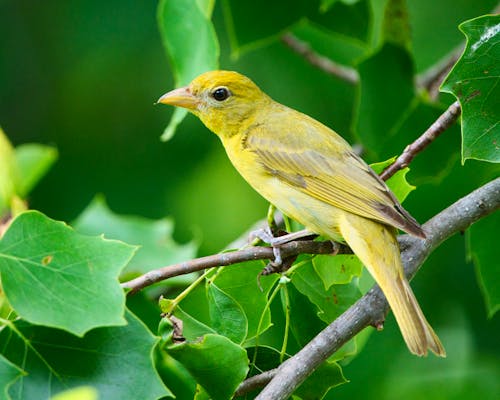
<point x="229" y="258"/>
<point x="444" y="121"/>
<point x="372" y="305"/>
<point x="323" y="63"/>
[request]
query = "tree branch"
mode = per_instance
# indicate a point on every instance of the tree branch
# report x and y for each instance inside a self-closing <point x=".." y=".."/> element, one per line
<point x="347" y="74"/>
<point x="371" y="306"/>
<point x="229" y="258"/>
<point x="444" y="121"/>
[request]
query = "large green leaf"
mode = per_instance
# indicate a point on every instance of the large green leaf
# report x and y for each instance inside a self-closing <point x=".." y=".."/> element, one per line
<point x="190" y="42"/>
<point x="241" y="283"/>
<point x="217" y="364"/>
<point x="116" y="361"/>
<point x="53" y="276"/>
<point x="386" y="94"/>
<point x="228" y="318"/>
<point x="474" y="80"/>
<point x="483" y="250"/>
<point x="157" y="247"/>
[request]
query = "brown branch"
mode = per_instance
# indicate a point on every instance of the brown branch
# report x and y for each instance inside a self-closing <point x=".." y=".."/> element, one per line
<point x="444" y="121"/>
<point x="368" y="310"/>
<point x="323" y="63"/>
<point x="229" y="258"/>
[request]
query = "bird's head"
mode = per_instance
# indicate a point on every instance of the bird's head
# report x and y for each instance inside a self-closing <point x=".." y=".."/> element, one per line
<point x="223" y="100"/>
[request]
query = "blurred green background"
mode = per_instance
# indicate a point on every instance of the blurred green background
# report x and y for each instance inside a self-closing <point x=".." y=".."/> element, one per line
<point x="84" y="76"/>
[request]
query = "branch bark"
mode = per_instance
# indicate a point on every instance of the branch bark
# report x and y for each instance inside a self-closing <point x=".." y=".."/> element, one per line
<point x="371" y="306"/>
<point x="229" y="258"/>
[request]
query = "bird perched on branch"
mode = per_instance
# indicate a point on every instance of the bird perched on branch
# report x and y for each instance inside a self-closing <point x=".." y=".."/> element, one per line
<point x="312" y="175"/>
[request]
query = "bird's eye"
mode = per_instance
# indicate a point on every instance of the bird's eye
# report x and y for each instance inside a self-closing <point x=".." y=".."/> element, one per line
<point x="220" y="94"/>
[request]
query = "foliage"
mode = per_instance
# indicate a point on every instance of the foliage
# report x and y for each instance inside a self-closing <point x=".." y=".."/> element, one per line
<point x="67" y="330"/>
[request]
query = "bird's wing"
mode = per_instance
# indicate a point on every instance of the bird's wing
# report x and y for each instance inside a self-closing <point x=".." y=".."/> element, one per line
<point x="318" y="162"/>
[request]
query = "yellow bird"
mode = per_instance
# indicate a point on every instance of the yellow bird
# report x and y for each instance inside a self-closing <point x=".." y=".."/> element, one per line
<point x="312" y="175"/>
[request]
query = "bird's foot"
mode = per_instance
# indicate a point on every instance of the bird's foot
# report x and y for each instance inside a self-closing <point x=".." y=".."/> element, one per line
<point x="267" y="236"/>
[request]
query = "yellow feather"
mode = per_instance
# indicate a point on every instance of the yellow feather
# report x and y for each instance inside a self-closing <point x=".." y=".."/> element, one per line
<point x="312" y="175"/>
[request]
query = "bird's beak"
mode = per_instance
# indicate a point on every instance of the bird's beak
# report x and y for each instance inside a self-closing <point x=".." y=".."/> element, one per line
<point x="181" y="97"/>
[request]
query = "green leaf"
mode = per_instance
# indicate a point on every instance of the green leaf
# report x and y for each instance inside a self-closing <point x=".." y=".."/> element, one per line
<point x="272" y="17"/>
<point x="474" y="80"/>
<point x="300" y="305"/>
<point x="191" y="44"/>
<point x="217" y="364"/>
<point x="157" y="248"/>
<point x="9" y="373"/>
<point x="116" y="361"/>
<point x="53" y="276"/>
<point x="192" y="328"/>
<point x="330" y="302"/>
<point x="386" y="95"/>
<point x="9" y="175"/>
<point x="338" y="47"/>
<point x="397" y="183"/>
<point x="80" y="393"/>
<point x="227" y="316"/>
<point x="327" y="376"/>
<point x="483" y="251"/>
<point x="33" y="161"/>
<point x="338" y="270"/>
<point x="350" y="21"/>
<point x="241" y="283"/>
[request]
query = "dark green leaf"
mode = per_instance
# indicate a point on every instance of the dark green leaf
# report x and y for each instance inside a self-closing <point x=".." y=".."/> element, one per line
<point x="33" y="161"/>
<point x="217" y="364"/>
<point x="241" y="283"/>
<point x="228" y="318"/>
<point x="56" y="277"/>
<point x="157" y="248"/>
<point x="337" y="47"/>
<point x="330" y="303"/>
<point x="474" y="80"/>
<point x="116" y="361"/>
<point x="348" y="19"/>
<point x="190" y="42"/>
<point x="483" y="250"/>
<point x="386" y="95"/>
<point x="271" y="17"/>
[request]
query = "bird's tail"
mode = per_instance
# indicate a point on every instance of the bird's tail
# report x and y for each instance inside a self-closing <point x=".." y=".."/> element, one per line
<point x="376" y="246"/>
